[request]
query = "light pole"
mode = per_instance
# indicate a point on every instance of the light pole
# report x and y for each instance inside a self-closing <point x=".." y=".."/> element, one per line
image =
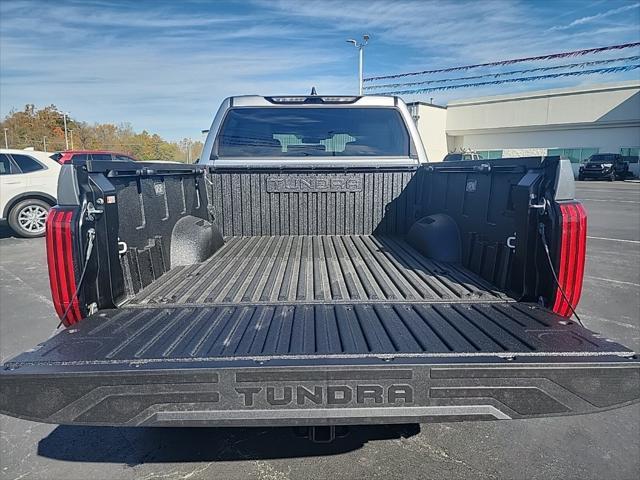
<point x="360" y="46"/>
<point x="66" y="138"/>
<point x="44" y="143"/>
<point x="71" y="132"/>
<point x="6" y="142"/>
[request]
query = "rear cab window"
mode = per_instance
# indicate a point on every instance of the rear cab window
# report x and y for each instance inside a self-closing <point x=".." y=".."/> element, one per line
<point x="603" y="158"/>
<point x="101" y="156"/>
<point x="313" y="132"/>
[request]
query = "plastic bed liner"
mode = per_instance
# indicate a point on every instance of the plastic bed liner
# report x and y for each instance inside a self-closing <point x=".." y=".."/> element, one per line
<point x="310" y="364"/>
<point x="319" y="268"/>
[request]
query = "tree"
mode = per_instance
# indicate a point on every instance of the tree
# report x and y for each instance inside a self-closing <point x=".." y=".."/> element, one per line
<point x="33" y="127"/>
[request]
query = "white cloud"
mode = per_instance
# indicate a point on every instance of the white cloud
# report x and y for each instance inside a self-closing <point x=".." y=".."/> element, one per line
<point x="166" y="68"/>
<point x="597" y="16"/>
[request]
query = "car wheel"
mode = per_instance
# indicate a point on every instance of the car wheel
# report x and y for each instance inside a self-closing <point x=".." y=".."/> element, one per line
<point x="580" y="178"/>
<point x="612" y="177"/>
<point x="27" y="218"/>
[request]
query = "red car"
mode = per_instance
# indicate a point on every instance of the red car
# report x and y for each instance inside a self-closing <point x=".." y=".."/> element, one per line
<point x="83" y="155"/>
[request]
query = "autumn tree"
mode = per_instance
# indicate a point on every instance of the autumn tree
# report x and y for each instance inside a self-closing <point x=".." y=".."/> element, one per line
<point x="43" y="129"/>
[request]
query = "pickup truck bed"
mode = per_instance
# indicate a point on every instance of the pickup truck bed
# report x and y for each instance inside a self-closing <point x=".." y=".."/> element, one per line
<point x="321" y="291"/>
<point x="316" y="330"/>
<point x="317" y="268"/>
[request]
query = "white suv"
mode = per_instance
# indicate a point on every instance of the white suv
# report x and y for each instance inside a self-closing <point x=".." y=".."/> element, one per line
<point x="28" y="188"/>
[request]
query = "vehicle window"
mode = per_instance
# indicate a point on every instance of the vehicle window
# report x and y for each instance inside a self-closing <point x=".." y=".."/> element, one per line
<point x="101" y="156"/>
<point x="26" y="163"/>
<point x="312" y="131"/>
<point x="56" y="156"/>
<point x="631" y="154"/>
<point x="5" y="164"/>
<point x="123" y="158"/>
<point x="603" y="158"/>
<point x="82" y="157"/>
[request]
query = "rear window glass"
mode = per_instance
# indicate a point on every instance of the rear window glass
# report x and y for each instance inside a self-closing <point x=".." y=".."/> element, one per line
<point x="312" y="131"/>
<point x="101" y="156"/>
<point x="79" y="157"/>
<point x="603" y="158"/>
<point x="26" y="163"/>
<point x="5" y="164"/>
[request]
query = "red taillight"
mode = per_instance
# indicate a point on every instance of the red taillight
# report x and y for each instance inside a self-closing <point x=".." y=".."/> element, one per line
<point x="61" y="265"/>
<point x="573" y="246"/>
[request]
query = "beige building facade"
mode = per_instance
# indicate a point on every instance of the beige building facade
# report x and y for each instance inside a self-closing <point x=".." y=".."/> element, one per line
<point x="573" y="122"/>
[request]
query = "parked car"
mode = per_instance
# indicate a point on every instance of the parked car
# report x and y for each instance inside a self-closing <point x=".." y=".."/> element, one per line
<point x="457" y="157"/>
<point x="83" y="155"/>
<point x="314" y="269"/>
<point x="604" y="166"/>
<point x="28" y="188"/>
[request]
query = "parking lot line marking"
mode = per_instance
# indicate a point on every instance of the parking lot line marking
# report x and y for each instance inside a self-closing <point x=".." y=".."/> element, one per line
<point x="613" y="281"/>
<point x="605" y="320"/>
<point x="613" y="239"/>
<point x="610" y="200"/>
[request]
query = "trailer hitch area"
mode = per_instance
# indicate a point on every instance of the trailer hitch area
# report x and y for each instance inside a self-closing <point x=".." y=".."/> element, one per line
<point x="321" y="434"/>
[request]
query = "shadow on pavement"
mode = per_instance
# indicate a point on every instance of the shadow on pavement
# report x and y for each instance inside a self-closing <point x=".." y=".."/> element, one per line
<point x="135" y="446"/>
<point x="6" y="232"/>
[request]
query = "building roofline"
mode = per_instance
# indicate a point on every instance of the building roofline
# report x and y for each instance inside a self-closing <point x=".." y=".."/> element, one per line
<point x="601" y="87"/>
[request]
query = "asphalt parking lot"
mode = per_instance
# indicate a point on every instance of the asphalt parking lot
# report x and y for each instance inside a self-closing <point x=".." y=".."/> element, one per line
<point x="601" y="446"/>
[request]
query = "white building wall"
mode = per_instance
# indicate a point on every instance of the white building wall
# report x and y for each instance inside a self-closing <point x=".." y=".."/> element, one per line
<point x="537" y="143"/>
<point x="523" y="152"/>
<point x="599" y="104"/>
<point x="605" y="117"/>
<point x="431" y="121"/>
<point x="607" y="139"/>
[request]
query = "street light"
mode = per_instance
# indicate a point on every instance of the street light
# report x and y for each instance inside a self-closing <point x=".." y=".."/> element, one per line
<point x="66" y="138"/>
<point x="6" y="142"/>
<point x="71" y="132"/>
<point x="360" y="46"/>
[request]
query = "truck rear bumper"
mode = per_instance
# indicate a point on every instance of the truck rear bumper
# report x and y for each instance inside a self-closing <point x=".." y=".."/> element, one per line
<point x="331" y="392"/>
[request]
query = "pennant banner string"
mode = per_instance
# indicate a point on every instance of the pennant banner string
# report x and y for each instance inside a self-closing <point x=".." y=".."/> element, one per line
<point x="504" y="74"/>
<point x="575" y="53"/>
<point x="624" y="68"/>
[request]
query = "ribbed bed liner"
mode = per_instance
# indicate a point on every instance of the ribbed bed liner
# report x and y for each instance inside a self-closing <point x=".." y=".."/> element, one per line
<point x="207" y="333"/>
<point x="322" y="269"/>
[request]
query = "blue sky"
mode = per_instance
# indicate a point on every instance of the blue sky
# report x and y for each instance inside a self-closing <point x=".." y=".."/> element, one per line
<point x="165" y="66"/>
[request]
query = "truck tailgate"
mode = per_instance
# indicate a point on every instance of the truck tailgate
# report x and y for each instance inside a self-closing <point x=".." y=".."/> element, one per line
<point x="314" y="364"/>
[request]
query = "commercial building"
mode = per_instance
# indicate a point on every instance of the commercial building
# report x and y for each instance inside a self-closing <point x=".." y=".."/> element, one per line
<point x="573" y="122"/>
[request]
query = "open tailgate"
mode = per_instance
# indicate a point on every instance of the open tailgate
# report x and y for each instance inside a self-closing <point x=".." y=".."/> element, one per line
<point x="316" y="364"/>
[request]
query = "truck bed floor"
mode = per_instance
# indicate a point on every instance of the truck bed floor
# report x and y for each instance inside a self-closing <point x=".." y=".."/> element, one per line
<point x="210" y="333"/>
<point x="323" y="269"/>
